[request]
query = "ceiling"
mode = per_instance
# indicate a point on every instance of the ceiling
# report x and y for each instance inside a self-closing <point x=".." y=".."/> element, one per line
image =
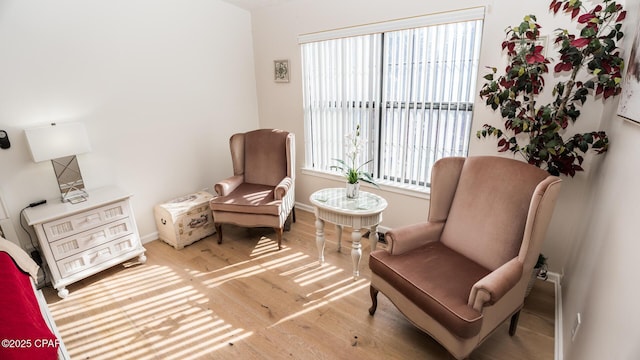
<point x="254" y="4"/>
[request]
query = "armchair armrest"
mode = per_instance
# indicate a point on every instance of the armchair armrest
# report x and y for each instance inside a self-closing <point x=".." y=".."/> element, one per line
<point x="282" y="188"/>
<point x="406" y="238"/>
<point x="491" y="288"/>
<point x="226" y="186"/>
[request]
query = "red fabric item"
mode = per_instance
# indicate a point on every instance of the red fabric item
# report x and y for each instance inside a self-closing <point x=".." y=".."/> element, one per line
<point x="24" y="334"/>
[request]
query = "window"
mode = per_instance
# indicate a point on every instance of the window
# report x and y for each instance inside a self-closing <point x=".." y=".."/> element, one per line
<point x="409" y="84"/>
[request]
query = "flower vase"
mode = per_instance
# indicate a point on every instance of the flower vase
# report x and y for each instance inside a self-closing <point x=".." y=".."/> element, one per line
<point x="352" y="190"/>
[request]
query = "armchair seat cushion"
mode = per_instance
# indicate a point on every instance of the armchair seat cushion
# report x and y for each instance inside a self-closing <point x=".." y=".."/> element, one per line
<point x="438" y="280"/>
<point x="249" y="198"/>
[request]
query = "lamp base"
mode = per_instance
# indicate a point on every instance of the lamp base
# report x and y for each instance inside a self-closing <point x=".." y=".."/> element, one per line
<point x="69" y="179"/>
<point x="76" y="199"/>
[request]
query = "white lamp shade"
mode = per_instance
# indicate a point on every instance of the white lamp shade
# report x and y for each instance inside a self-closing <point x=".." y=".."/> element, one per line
<point x="57" y="140"/>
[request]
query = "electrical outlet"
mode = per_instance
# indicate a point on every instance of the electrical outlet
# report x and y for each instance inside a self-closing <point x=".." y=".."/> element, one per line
<point x="576" y="326"/>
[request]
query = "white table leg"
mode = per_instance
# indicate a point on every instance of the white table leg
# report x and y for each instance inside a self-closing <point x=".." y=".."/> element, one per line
<point x="356" y="251"/>
<point x="373" y="237"/>
<point x="339" y="228"/>
<point x="320" y="239"/>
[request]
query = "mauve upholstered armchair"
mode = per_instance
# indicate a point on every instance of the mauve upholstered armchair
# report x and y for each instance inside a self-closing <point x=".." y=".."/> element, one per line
<point x="261" y="192"/>
<point x="464" y="272"/>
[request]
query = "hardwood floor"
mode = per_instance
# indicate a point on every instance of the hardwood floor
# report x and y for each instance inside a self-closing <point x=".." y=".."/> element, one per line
<point x="244" y="299"/>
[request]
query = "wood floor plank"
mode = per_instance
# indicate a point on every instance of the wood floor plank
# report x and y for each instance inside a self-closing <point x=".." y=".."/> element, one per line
<point x="244" y="299"/>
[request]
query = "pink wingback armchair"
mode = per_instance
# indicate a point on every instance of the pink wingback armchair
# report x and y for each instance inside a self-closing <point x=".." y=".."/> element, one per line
<point x="261" y="192"/>
<point x="464" y="271"/>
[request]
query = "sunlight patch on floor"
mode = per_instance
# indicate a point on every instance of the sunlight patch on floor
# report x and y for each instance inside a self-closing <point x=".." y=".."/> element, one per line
<point x="142" y="314"/>
<point x="265" y="245"/>
<point x="150" y="312"/>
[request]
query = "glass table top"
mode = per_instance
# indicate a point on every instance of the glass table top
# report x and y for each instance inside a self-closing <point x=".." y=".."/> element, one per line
<point x="336" y="199"/>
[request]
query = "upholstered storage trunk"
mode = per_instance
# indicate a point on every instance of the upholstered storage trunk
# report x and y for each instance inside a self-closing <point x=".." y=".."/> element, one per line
<point x="185" y="220"/>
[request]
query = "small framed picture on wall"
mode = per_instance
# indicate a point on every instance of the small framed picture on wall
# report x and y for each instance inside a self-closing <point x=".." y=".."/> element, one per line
<point x="281" y="71"/>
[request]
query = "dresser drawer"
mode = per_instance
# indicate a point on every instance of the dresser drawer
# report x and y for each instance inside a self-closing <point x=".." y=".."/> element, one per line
<point x="97" y="255"/>
<point x="85" y="240"/>
<point x="58" y="229"/>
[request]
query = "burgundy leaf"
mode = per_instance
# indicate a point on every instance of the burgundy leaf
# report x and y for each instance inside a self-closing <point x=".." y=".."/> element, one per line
<point x="557" y="7"/>
<point x="621" y="17"/>
<point x="581" y="42"/>
<point x="585" y="18"/>
<point x="609" y="92"/>
<point x="534" y="58"/>
<point x="575" y="13"/>
<point x="558" y="67"/>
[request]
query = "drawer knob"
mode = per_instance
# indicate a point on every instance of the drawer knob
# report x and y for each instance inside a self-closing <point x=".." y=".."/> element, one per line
<point x="92" y="218"/>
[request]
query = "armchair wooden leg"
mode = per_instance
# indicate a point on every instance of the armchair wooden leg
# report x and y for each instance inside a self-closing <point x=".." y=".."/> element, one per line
<point x="219" y="231"/>
<point x="288" y="222"/>
<point x="374" y="300"/>
<point x="513" y="326"/>
<point x="293" y="212"/>
<point x="279" y="234"/>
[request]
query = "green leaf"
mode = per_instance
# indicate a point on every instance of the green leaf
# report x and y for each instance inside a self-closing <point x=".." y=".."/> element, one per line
<point x="588" y="138"/>
<point x="524" y="26"/>
<point x="583" y="146"/>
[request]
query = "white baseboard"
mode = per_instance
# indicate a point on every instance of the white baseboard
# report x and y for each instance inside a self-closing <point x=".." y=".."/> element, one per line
<point x="149" y="237"/>
<point x="305" y="207"/>
<point x="558" y="341"/>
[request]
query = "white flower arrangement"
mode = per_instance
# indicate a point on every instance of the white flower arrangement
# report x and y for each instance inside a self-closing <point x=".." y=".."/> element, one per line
<point x="352" y="172"/>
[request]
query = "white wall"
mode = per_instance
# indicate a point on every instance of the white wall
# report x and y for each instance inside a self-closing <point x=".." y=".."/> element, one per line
<point x="601" y="279"/>
<point x="280" y="105"/>
<point x="160" y="85"/>
<point x="601" y="273"/>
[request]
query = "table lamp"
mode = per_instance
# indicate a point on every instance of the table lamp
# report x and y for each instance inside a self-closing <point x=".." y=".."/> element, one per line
<point x="60" y="143"/>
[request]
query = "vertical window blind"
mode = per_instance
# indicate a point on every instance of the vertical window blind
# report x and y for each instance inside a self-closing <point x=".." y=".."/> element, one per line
<point x="409" y="84"/>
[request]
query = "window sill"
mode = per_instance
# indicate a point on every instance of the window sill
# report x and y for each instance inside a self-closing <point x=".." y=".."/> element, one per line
<point x="387" y="187"/>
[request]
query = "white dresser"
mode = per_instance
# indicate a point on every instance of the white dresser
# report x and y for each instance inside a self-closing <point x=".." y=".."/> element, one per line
<point x="79" y="240"/>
